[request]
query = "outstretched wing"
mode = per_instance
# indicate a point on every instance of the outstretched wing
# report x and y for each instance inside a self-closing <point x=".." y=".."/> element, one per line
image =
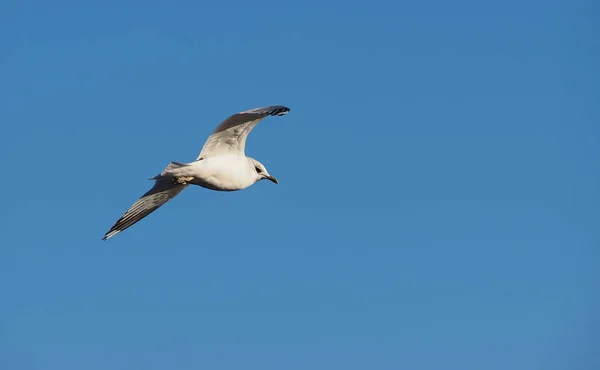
<point x="162" y="191"/>
<point x="230" y="135"/>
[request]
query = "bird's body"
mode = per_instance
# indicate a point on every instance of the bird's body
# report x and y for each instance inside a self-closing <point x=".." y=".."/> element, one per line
<point x="222" y="166"/>
<point x="223" y="173"/>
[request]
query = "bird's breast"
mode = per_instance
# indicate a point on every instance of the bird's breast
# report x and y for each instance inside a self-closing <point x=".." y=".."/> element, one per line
<point x="223" y="174"/>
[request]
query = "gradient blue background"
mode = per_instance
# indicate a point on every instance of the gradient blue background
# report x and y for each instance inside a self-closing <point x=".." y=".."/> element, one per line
<point x="438" y="205"/>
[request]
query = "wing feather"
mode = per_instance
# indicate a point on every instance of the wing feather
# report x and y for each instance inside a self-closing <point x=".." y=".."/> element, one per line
<point x="162" y="191"/>
<point x="230" y="135"/>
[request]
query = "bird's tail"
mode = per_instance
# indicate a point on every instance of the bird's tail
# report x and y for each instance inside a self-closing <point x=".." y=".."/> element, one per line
<point x="168" y="171"/>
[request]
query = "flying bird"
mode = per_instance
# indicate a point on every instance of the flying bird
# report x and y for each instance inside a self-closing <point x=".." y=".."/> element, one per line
<point x="222" y="165"/>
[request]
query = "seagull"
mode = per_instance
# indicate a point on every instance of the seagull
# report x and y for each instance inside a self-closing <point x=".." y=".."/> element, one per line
<point x="222" y="165"/>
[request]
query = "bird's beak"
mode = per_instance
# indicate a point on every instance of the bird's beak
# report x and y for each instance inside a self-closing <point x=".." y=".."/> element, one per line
<point x="272" y="179"/>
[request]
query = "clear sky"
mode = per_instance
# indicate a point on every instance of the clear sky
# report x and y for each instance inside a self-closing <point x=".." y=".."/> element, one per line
<point x="438" y="203"/>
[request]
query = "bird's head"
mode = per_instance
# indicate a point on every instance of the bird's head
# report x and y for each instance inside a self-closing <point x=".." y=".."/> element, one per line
<point x="261" y="171"/>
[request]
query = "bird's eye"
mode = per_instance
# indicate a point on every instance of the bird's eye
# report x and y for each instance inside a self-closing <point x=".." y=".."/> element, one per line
<point x="258" y="170"/>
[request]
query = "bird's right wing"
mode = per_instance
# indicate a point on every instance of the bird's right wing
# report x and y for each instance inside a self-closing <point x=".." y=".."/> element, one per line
<point x="162" y="191"/>
<point x="230" y="136"/>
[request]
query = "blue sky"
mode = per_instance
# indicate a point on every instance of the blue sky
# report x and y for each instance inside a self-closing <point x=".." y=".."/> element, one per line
<point x="438" y="198"/>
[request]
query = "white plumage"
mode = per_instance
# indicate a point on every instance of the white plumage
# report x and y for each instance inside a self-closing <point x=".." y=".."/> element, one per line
<point x="222" y="165"/>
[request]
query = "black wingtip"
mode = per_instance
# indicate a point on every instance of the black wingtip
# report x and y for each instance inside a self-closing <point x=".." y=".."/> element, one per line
<point x="279" y="110"/>
<point x="271" y="110"/>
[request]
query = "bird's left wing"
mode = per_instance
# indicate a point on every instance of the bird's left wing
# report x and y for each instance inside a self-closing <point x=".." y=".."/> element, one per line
<point x="230" y="135"/>
<point x="162" y="191"/>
